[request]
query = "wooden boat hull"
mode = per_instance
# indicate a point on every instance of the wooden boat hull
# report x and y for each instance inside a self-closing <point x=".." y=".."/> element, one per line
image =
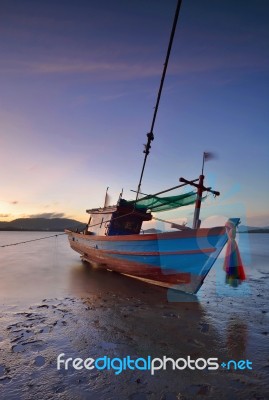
<point x="179" y="260"/>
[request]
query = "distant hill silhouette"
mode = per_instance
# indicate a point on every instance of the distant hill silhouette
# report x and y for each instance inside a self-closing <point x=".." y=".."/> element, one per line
<point x="253" y="229"/>
<point x="41" y="224"/>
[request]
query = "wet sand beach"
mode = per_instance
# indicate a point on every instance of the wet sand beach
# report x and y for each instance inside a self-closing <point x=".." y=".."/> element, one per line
<point x="93" y="313"/>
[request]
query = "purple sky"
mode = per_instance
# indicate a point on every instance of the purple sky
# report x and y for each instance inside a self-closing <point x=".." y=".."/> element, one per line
<point x="78" y="85"/>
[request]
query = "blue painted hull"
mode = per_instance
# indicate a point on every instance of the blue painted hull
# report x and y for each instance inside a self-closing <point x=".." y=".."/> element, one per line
<point x="180" y="260"/>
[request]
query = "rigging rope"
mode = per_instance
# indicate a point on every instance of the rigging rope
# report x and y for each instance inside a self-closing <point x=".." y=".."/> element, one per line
<point x="150" y="135"/>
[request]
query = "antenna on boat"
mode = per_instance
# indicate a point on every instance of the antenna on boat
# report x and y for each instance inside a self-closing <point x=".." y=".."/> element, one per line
<point x="106" y="198"/>
<point x="150" y="135"/>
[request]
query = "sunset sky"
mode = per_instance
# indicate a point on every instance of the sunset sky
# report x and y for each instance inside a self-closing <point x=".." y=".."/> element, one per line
<point x="78" y="83"/>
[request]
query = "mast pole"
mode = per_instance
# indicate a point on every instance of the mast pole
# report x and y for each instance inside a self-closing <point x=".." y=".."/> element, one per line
<point x="200" y="187"/>
<point x="150" y="135"/>
<point x="203" y="163"/>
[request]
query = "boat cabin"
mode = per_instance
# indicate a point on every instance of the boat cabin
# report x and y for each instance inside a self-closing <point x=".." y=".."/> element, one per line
<point x="122" y="219"/>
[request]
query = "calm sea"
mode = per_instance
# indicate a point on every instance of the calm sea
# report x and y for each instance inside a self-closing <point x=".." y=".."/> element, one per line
<point x="47" y="269"/>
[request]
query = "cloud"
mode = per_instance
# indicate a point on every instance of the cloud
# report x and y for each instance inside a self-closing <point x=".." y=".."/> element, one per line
<point x="47" y="215"/>
<point x="108" y="69"/>
<point x="4" y="215"/>
<point x="261" y="220"/>
<point x="111" y="69"/>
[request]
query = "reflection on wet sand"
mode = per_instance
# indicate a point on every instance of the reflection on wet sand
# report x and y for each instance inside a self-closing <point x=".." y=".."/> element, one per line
<point x="134" y="318"/>
<point x="87" y="279"/>
<point x="142" y="310"/>
<point x="237" y="336"/>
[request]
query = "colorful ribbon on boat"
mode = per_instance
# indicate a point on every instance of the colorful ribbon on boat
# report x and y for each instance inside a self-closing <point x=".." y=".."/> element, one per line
<point x="233" y="265"/>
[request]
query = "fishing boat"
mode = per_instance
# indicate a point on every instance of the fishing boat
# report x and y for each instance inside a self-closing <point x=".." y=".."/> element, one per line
<point x="114" y="238"/>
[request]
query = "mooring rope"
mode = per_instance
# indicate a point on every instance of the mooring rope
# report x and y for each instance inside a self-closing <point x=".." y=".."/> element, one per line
<point x="32" y="240"/>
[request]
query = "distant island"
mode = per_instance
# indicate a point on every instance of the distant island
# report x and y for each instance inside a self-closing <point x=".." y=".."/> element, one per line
<point x="42" y="224"/>
<point x="253" y="229"/>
